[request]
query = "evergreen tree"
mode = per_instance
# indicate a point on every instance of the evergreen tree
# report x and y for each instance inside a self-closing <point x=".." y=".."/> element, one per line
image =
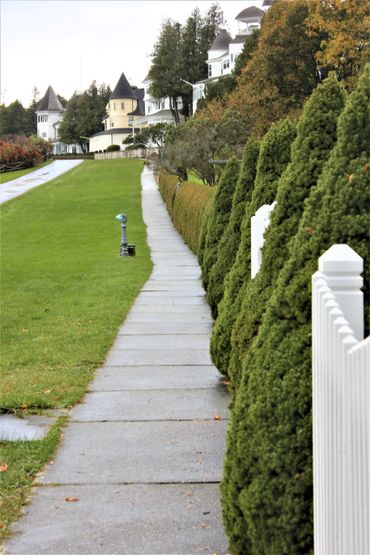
<point x="219" y="216"/>
<point x="316" y="136"/>
<point x="84" y="114"/>
<point x="15" y="120"/>
<point x="272" y="161"/>
<point x="267" y="483"/>
<point x="230" y="239"/>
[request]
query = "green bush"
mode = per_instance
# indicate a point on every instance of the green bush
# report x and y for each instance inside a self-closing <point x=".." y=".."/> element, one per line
<point x="267" y="483"/>
<point x="113" y="148"/>
<point x="219" y="216"/>
<point x="229" y="242"/>
<point x="316" y="136"/>
<point x="272" y="161"/>
<point x="167" y="188"/>
<point x="187" y="203"/>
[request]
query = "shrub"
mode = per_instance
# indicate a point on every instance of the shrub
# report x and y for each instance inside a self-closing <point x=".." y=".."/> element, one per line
<point x="272" y="161"/>
<point x="187" y="205"/>
<point x="316" y="136"/>
<point x="23" y="151"/>
<point x="113" y="148"/>
<point x="192" y="203"/>
<point x="167" y="188"/>
<point x="219" y="216"/>
<point x="268" y="469"/>
<point x="230" y="239"/>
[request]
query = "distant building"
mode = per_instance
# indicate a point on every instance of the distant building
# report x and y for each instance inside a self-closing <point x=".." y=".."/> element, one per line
<point x="225" y="49"/>
<point x="49" y="114"/>
<point x="125" y="107"/>
<point x="156" y="111"/>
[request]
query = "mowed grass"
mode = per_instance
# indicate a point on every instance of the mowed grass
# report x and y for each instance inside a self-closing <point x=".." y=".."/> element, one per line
<point x="9" y="176"/>
<point x="64" y="288"/>
<point x="64" y="292"/>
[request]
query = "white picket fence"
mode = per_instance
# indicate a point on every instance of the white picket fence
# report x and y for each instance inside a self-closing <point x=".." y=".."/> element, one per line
<point x="341" y="406"/>
<point x="259" y="223"/>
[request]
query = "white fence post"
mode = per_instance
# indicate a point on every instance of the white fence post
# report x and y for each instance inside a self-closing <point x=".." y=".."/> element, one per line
<point x="341" y="399"/>
<point x="259" y="224"/>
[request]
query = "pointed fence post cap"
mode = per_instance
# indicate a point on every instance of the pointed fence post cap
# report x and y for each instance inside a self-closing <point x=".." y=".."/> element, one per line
<point x="341" y="259"/>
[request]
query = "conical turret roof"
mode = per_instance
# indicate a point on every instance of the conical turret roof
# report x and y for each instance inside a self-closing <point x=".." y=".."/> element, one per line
<point x="50" y="102"/>
<point x="122" y="89"/>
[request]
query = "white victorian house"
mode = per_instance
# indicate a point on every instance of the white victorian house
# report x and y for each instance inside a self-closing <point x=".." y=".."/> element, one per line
<point x="49" y="114"/>
<point x="225" y="49"/>
<point x="156" y="110"/>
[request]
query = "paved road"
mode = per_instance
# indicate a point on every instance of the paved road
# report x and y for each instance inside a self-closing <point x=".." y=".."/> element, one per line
<point x="143" y="453"/>
<point x="17" y="187"/>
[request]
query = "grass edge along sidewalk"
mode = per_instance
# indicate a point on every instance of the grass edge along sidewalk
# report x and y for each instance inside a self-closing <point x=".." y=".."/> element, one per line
<point x="64" y="293"/>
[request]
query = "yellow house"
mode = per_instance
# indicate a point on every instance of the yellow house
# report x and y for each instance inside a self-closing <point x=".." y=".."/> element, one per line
<point x="125" y="106"/>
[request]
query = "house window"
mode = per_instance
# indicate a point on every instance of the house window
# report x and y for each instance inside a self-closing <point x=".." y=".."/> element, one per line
<point x="122" y="105"/>
<point x="232" y="57"/>
<point x="209" y="70"/>
<point x="42" y="119"/>
<point x="114" y="106"/>
<point x="44" y="134"/>
<point x="111" y="124"/>
<point x="226" y="64"/>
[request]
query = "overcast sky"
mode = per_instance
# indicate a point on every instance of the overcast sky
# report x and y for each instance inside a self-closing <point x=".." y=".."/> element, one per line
<point x="49" y="41"/>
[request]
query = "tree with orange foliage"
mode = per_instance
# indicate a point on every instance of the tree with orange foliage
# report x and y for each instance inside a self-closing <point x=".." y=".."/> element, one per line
<point x="345" y="44"/>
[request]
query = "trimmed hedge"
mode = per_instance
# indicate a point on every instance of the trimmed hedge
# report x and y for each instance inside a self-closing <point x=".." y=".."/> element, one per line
<point x="272" y="161"/>
<point x="229" y="242"/>
<point x="188" y="204"/>
<point x="316" y="136"/>
<point x="267" y="482"/>
<point x="219" y="216"/>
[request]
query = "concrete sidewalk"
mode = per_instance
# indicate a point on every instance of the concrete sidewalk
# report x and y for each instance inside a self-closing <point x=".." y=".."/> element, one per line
<point x="19" y="186"/>
<point x="143" y="453"/>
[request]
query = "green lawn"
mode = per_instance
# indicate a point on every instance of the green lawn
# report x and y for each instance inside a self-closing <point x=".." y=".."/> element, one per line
<point x="9" y="176"/>
<point x="64" y="292"/>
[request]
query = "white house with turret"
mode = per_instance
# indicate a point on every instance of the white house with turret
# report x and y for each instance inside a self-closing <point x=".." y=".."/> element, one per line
<point x="225" y="49"/>
<point x="49" y="113"/>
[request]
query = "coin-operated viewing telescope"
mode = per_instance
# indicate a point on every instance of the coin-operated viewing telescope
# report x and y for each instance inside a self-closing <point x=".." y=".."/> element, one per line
<point x="125" y="248"/>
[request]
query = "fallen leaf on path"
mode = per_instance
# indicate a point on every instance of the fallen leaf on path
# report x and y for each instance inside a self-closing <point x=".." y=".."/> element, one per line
<point x="72" y="499"/>
<point x="216" y="417"/>
<point x="3" y="467"/>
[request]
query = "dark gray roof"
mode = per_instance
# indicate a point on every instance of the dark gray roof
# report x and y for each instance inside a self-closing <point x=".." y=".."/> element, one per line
<point x="253" y="11"/>
<point x="140" y="108"/>
<point x="50" y="102"/>
<point x="122" y="90"/>
<point x="267" y="3"/>
<point x="222" y="41"/>
<point x="114" y="131"/>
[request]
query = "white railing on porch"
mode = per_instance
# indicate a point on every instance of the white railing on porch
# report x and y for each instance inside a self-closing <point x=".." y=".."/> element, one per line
<point x="341" y="406"/>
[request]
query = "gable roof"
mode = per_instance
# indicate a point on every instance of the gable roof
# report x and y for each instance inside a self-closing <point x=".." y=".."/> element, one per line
<point x="250" y="12"/>
<point x="122" y="90"/>
<point x="222" y="41"/>
<point x="50" y="102"/>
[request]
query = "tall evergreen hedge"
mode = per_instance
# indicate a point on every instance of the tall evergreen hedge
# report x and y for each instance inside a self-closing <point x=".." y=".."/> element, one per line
<point x="273" y="158"/>
<point x="316" y="136"/>
<point x="229" y="242"/>
<point x="219" y="216"/>
<point x="267" y="483"/>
